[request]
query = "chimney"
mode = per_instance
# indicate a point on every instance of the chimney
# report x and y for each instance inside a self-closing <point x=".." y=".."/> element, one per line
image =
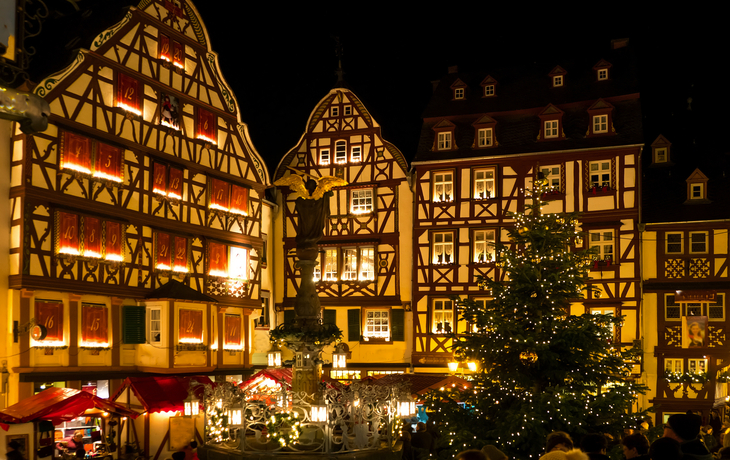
<point x="619" y="43"/>
<point x="454" y="69"/>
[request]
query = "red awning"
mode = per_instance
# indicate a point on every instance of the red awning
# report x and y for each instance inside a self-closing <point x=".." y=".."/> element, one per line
<point x="163" y="394"/>
<point x="279" y="374"/>
<point x="59" y="405"/>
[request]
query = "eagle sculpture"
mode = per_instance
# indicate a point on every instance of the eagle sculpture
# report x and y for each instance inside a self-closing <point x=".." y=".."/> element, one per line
<point x="297" y="184"/>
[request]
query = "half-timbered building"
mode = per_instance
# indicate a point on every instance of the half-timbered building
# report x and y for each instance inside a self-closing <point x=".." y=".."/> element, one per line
<point x="363" y="275"/>
<point x="686" y="281"/>
<point x="485" y="137"/>
<point x="138" y="228"/>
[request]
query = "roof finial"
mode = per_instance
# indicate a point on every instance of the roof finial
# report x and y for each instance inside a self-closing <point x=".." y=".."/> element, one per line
<point x="339" y="72"/>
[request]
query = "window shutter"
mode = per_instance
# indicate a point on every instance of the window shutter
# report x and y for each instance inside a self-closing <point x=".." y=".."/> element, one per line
<point x="353" y="325"/>
<point x="329" y="317"/>
<point x="289" y="315"/>
<point x="133" y="324"/>
<point x="397" y="317"/>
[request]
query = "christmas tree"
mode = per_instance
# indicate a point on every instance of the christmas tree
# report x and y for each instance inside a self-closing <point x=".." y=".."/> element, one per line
<point x="541" y="369"/>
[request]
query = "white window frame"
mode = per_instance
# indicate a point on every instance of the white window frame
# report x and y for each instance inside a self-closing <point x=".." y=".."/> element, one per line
<point x="458" y="93"/>
<point x="488" y="90"/>
<point x="600" y="124"/>
<point x="603" y="239"/>
<point x="599" y="173"/>
<point x="358" y="263"/>
<point x="442" y="248"/>
<point x="340" y="152"/>
<point x="671" y="246"/>
<point x="443" y="186"/>
<point x="696" y="365"/>
<point x="356" y="153"/>
<point x="670" y="302"/>
<point x="443" y="312"/>
<point x="693" y="245"/>
<point x="334" y="111"/>
<point x="484" y="245"/>
<point x="557" y="80"/>
<point x="697" y="191"/>
<point x="660" y="155"/>
<point x="347" y="110"/>
<point x="324" y="157"/>
<point x="154" y="325"/>
<point x="376" y="324"/>
<point x="328" y="262"/>
<point x="552" y="174"/>
<point x="674" y="365"/>
<point x="485" y="183"/>
<point x="551" y="129"/>
<point x="361" y="201"/>
<point x="444" y="140"/>
<point x="603" y="74"/>
<point x="485" y="137"/>
<point x="349" y="264"/>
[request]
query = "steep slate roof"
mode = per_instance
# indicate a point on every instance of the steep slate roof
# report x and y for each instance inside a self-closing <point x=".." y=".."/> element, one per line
<point x="524" y="92"/>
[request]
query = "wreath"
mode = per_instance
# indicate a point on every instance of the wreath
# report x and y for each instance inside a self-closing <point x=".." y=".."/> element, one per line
<point x="686" y="377"/>
<point x="284" y="428"/>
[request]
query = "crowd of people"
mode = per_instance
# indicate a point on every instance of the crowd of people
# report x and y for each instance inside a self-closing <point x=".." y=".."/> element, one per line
<point x="684" y="437"/>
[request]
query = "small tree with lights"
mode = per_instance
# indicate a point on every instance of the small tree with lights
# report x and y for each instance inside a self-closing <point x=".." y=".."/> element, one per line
<point x="541" y="369"/>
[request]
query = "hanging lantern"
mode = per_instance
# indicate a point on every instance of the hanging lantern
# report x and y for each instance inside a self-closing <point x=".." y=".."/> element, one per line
<point x="472" y="366"/>
<point x="191" y="405"/>
<point x="274" y="356"/>
<point x="453" y="366"/>
<point x="339" y="360"/>
<point x="235" y="417"/>
<point x="319" y="413"/>
<point x="528" y="357"/>
<point x="404" y="408"/>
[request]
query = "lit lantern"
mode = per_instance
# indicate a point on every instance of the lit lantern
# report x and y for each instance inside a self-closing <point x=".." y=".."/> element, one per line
<point x="339" y="358"/>
<point x="404" y="408"/>
<point x="453" y="367"/>
<point x="319" y="413"/>
<point x="191" y="405"/>
<point x="472" y="366"/>
<point x="274" y="356"/>
<point x="235" y="417"/>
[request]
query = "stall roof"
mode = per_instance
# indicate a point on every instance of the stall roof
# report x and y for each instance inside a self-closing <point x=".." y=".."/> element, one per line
<point x="163" y="393"/>
<point x="279" y="374"/>
<point x="59" y="405"/>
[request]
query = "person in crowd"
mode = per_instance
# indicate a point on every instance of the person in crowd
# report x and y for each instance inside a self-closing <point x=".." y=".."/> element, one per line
<point x="595" y="445"/>
<point x="406" y="449"/>
<point x="471" y="454"/>
<point x="636" y="446"/>
<point x="665" y="449"/>
<point x="14" y="452"/>
<point x="492" y="453"/>
<point x="421" y="441"/>
<point x="559" y="446"/>
<point x="73" y="444"/>
<point x="685" y="429"/>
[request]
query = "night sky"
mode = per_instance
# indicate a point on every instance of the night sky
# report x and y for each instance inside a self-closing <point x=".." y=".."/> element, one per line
<point x="280" y="62"/>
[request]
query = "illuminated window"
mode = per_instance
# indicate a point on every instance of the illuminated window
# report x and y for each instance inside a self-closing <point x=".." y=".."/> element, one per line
<point x="358" y="264"/>
<point x="558" y="80"/>
<point x="603" y="74"/>
<point x="169" y="111"/>
<point x="89" y="237"/>
<point x="232" y="338"/>
<point x="600" y="124"/>
<point x="601" y="243"/>
<point x="443" y="316"/>
<point x="330" y="265"/>
<point x="604" y="311"/>
<point x="128" y="94"/>
<point x="376" y="324"/>
<point x="228" y="197"/>
<point x="167" y="180"/>
<point x="171" y="252"/>
<point x="154" y="325"/>
<point x="697" y="242"/>
<point x="87" y="156"/>
<point x="49" y="313"/>
<point x="484" y="184"/>
<point x="674" y="365"/>
<point x="190" y="326"/>
<point x="484" y="246"/>
<point x="696" y="191"/>
<point x="443" y="186"/>
<point x="444" y="141"/>
<point x="459" y="93"/>
<point x="442" y="248"/>
<point x="361" y="201"/>
<point x="484" y="137"/>
<point x="552" y="174"/>
<point x="660" y="155"/>
<point x="599" y="174"/>
<point x="207" y="128"/>
<point x="356" y="154"/>
<point x="94" y="325"/>
<point x="340" y="152"/>
<point x="488" y="90"/>
<point x="674" y="243"/>
<point x="551" y="129"/>
<point x="324" y="157"/>
<point x="228" y="261"/>
<point x="165" y="48"/>
<point x="696" y="366"/>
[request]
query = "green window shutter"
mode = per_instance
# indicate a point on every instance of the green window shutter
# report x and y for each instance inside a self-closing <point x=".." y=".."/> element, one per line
<point x="353" y="325"/>
<point x="398" y="324"/>
<point x="289" y="316"/>
<point x="329" y="317"/>
<point x="133" y="324"/>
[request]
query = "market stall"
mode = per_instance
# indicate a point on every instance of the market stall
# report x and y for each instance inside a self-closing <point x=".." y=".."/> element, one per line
<point x="54" y="415"/>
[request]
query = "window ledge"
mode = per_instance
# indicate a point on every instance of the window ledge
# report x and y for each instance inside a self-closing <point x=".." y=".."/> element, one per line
<point x="703" y="201"/>
<point x="376" y="341"/>
<point x="443" y="203"/>
<point x="450" y="264"/>
<point x="191" y="347"/>
<point x="601" y="191"/>
<point x="603" y="265"/>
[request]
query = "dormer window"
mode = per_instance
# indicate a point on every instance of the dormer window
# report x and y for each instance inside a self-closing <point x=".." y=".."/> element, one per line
<point x="551" y="119"/>
<point x="484" y="137"/>
<point x="660" y="151"/>
<point x="484" y="131"/>
<point x="600" y="118"/>
<point x="489" y="90"/>
<point x="444" y="135"/>
<point x="490" y="86"/>
<point x="459" y="89"/>
<point x="601" y="69"/>
<point x="558" y="76"/>
<point x="697" y="188"/>
<point x="444" y="142"/>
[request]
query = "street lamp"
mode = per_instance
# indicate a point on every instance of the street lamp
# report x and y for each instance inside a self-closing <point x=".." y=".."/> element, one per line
<point x="274" y="356"/>
<point x="191" y="405"/>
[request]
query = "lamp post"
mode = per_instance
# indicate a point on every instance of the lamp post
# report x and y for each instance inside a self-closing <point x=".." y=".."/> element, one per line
<point x="191" y="405"/>
<point x="274" y="357"/>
